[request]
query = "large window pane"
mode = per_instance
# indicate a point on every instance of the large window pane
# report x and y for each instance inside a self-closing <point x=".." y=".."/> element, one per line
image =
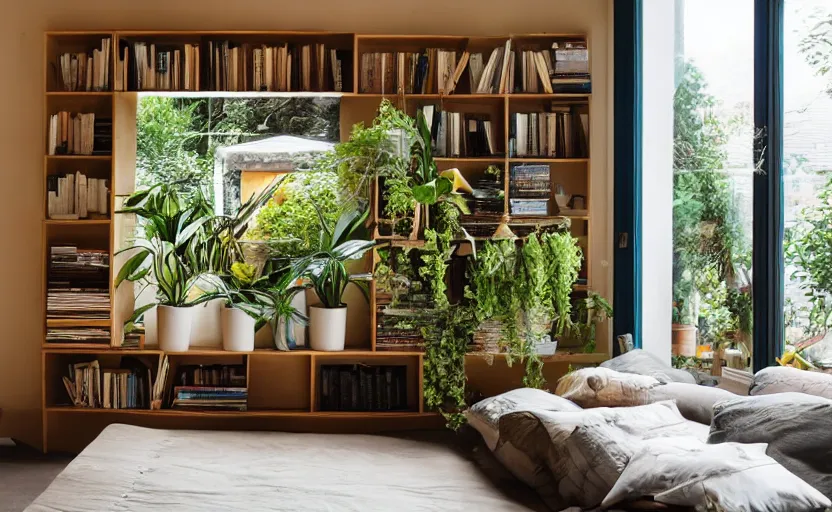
<point x="807" y="185"/>
<point x="713" y="171"/>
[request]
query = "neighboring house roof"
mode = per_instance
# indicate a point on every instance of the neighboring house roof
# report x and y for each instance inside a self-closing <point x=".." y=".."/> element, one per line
<point x="273" y="153"/>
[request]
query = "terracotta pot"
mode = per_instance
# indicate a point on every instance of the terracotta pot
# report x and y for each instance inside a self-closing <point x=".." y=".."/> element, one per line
<point x="684" y="340"/>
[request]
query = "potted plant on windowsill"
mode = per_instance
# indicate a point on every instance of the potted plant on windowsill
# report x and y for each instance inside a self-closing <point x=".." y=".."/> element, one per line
<point x="327" y="273"/>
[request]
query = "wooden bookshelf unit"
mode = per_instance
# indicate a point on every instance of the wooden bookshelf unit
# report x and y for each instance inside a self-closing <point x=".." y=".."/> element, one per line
<point x="283" y="387"/>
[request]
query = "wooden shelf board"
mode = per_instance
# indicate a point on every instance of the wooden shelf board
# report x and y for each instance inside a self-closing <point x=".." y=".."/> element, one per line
<point x="560" y="357"/>
<point x="580" y="287"/>
<point x="239" y="94"/>
<point x="475" y="159"/>
<point x="544" y="96"/>
<point x="549" y="160"/>
<point x="71" y="322"/>
<point x="489" y="96"/>
<point x="67" y="348"/>
<point x="290" y="353"/>
<point x="532" y="218"/>
<point x="77" y="222"/>
<point x="79" y="93"/>
<point x="79" y="157"/>
<point x="253" y="413"/>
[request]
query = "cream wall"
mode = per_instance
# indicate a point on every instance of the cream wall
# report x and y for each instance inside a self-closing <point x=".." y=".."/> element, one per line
<point x="21" y="145"/>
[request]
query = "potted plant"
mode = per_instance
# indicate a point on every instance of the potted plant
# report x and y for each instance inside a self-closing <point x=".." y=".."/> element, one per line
<point x="327" y="273"/>
<point x="279" y="307"/>
<point x="591" y="311"/>
<point x="242" y="309"/>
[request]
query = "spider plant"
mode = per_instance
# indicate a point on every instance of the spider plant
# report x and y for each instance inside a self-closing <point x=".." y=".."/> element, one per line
<point x="326" y="268"/>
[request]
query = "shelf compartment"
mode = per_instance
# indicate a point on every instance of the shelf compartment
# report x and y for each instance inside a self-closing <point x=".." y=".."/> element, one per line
<point x="58" y="43"/>
<point x="270" y="378"/>
<point x="410" y="370"/>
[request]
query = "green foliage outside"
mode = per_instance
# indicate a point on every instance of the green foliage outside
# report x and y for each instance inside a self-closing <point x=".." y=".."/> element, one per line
<point x="808" y="245"/>
<point x="708" y="242"/>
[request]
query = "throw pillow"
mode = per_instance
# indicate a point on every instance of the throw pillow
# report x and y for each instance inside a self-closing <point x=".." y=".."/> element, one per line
<point x="731" y="476"/>
<point x="696" y="403"/>
<point x="782" y="379"/>
<point x="602" y="387"/>
<point x="641" y="362"/>
<point x="485" y="415"/>
<point x="574" y="458"/>
<point x="796" y="426"/>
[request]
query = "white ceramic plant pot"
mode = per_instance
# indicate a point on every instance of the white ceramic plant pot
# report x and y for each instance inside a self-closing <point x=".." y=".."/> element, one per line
<point x="173" y="328"/>
<point x="206" y="327"/>
<point x="237" y="330"/>
<point x="327" y="328"/>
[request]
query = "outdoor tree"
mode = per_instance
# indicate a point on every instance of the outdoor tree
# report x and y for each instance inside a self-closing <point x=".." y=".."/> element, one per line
<point x="707" y="234"/>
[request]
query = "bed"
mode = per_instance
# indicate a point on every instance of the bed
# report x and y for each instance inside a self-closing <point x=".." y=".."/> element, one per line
<point x="131" y="468"/>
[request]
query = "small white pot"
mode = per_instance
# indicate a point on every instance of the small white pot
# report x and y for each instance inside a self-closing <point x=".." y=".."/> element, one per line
<point x="327" y="328"/>
<point x="237" y="330"/>
<point x="173" y="328"/>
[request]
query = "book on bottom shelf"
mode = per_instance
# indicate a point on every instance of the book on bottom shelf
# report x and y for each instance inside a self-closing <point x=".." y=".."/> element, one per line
<point x="360" y="387"/>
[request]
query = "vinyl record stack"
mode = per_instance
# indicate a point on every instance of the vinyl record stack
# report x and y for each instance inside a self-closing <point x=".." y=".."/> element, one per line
<point x="529" y="190"/>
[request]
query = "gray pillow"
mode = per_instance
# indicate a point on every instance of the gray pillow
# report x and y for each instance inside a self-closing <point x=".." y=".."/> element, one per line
<point x="485" y="415"/>
<point x="641" y="362"/>
<point x="574" y="458"/>
<point x="796" y="426"/>
<point x="782" y="379"/>
<point x="696" y="403"/>
<point x="731" y="476"/>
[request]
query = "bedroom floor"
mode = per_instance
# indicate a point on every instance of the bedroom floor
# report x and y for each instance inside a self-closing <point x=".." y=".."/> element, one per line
<point x="24" y="474"/>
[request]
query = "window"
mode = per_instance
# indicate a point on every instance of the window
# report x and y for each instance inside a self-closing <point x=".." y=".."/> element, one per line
<point x="807" y="180"/>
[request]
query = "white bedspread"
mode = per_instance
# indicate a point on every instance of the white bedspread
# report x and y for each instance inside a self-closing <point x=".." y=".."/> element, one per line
<point x="138" y="469"/>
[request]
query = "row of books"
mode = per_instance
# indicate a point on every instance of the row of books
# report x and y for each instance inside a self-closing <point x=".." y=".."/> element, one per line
<point x="74" y="196"/>
<point x="562" y="69"/>
<point x="562" y="133"/>
<point x="399" y="327"/>
<point x="229" y="66"/>
<point x="360" y="387"/>
<point x="128" y="387"/>
<point x="80" y="134"/>
<point x="78" y="283"/>
<point x="455" y="134"/>
<point x="86" y="335"/>
<point x="85" y="71"/>
<point x="428" y="72"/>
<point x="221" y="375"/>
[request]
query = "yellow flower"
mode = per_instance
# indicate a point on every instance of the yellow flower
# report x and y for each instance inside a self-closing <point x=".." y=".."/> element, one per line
<point x="243" y="272"/>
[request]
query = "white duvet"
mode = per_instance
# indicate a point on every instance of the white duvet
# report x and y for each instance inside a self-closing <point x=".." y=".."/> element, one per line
<point x="139" y="469"/>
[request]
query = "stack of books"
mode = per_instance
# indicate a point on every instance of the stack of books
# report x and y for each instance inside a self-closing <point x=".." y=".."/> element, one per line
<point x="210" y="387"/>
<point x="455" y="134"/>
<point x="78" y="284"/>
<point x="561" y="133"/>
<point x="360" y="387"/>
<point x="84" y="71"/>
<point x="80" y="134"/>
<point x="128" y="387"/>
<point x="145" y="66"/>
<point x="489" y="193"/>
<point x="86" y="335"/>
<point x="399" y="328"/>
<point x="430" y="71"/>
<point x="529" y="190"/>
<point x="74" y="196"/>
<point x="210" y="398"/>
<point x="571" y="74"/>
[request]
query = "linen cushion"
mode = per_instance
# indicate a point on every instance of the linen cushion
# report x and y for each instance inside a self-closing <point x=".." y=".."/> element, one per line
<point x="602" y="387"/>
<point x="683" y="471"/>
<point x="796" y="426"/>
<point x="485" y="415"/>
<point x="574" y="458"/>
<point x="642" y="362"/>
<point x="696" y="403"/>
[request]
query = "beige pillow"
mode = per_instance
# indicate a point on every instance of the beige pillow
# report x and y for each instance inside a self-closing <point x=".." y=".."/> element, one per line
<point x="574" y="458"/>
<point x="485" y="415"/>
<point x="683" y="471"/>
<point x="602" y="387"/>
